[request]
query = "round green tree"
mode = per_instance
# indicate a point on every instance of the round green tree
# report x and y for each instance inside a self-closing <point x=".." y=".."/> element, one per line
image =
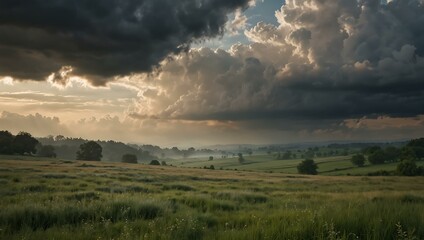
<point x="307" y="166"/>
<point x="358" y="160"/>
<point x="377" y="157"/>
<point x="24" y="143"/>
<point x="90" y="151"/>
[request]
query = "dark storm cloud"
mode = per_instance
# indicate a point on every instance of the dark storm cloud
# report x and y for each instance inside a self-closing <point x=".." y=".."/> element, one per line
<point x="326" y="60"/>
<point x="101" y="39"/>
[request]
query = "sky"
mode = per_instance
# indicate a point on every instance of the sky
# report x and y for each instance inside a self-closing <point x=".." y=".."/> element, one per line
<point x="204" y="72"/>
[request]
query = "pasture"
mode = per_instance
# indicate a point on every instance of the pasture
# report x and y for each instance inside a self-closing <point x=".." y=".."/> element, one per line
<point x="337" y="165"/>
<point x="56" y="199"/>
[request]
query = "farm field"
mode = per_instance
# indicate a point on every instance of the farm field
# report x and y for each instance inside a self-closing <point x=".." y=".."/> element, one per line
<point x="57" y="199"/>
<point x="338" y="165"/>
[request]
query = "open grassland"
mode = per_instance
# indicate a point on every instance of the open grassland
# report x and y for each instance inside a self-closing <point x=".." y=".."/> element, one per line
<point x="338" y="165"/>
<point x="258" y="163"/>
<point x="53" y="199"/>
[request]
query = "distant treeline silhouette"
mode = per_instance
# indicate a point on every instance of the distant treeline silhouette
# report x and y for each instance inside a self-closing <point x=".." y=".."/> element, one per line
<point x="113" y="151"/>
<point x="67" y="148"/>
<point x="22" y="143"/>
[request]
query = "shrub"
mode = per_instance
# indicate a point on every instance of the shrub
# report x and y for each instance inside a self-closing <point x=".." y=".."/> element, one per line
<point x="154" y="163"/>
<point x="408" y="168"/>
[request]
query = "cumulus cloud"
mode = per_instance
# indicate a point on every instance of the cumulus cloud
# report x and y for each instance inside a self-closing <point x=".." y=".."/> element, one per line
<point x="101" y="39"/>
<point x="36" y="124"/>
<point x="325" y="66"/>
<point x="184" y="133"/>
<point x="325" y="60"/>
<point x="238" y="24"/>
<point x="162" y="132"/>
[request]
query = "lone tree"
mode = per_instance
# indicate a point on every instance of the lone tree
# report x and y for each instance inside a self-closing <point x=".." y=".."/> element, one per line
<point x="307" y="166"/>
<point x="24" y="143"/>
<point x="90" y="151"/>
<point x="358" y="160"/>
<point x="377" y="157"/>
<point x="129" y="158"/>
<point x="6" y="139"/>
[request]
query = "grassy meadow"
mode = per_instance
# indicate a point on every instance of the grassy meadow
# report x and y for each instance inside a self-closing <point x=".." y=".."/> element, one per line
<point x="335" y="165"/>
<point x="57" y="199"/>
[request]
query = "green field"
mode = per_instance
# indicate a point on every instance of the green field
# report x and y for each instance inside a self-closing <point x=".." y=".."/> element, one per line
<point x="339" y="165"/>
<point x="56" y="199"/>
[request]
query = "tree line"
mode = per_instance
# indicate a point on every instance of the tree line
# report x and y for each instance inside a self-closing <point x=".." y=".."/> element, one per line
<point x="406" y="156"/>
<point x="92" y="151"/>
<point x="66" y="147"/>
<point x="23" y="143"/>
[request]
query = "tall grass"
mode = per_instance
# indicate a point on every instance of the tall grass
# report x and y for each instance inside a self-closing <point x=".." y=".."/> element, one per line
<point x="37" y="216"/>
<point x="177" y="204"/>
